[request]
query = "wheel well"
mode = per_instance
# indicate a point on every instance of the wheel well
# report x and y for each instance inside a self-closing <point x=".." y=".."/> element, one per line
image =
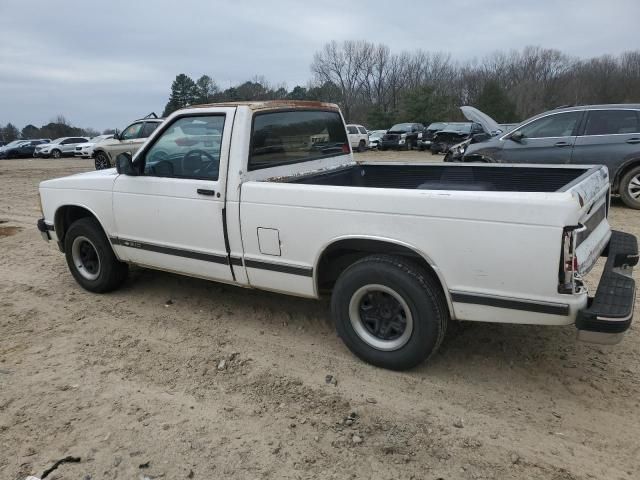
<point x="622" y="172"/>
<point x="65" y="216"/>
<point x="339" y="255"/>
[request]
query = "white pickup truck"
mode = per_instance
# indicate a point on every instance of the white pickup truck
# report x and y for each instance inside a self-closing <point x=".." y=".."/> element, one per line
<point x="267" y="195"/>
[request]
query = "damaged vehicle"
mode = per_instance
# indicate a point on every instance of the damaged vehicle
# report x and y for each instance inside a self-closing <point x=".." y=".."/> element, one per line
<point x="424" y="142"/>
<point x="268" y="195"/>
<point x="455" y="133"/>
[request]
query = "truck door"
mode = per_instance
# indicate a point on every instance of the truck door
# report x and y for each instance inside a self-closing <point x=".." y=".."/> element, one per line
<point x="548" y="139"/>
<point x="171" y="216"/>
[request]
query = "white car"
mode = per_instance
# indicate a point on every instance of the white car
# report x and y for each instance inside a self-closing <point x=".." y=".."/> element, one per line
<point x="240" y="193"/>
<point x="86" y="149"/>
<point x="60" y="147"/>
<point x="358" y="137"/>
<point x="375" y="136"/>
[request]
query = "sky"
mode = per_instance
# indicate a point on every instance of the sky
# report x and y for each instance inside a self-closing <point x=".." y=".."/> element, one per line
<point x="104" y="64"/>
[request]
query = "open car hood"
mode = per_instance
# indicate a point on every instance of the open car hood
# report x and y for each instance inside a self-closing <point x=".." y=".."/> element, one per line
<point x="488" y="123"/>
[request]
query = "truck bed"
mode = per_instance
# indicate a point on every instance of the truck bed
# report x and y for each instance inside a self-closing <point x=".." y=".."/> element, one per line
<point x="496" y="178"/>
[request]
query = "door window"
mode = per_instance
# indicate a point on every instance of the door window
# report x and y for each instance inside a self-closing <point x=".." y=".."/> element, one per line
<point x="362" y="130"/>
<point x="612" y="122"/>
<point x="556" y="125"/>
<point x="282" y="138"/>
<point x="131" y="132"/>
<point x="148" y="129"/>
<point x="188" y="148"/>
<point x="352" y="130"/>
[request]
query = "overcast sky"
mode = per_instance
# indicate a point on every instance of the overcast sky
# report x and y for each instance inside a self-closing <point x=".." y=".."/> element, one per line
<point x="103" y="66"/>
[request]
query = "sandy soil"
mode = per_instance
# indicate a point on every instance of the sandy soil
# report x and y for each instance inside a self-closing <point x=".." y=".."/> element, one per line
<point x="223" y="382"/>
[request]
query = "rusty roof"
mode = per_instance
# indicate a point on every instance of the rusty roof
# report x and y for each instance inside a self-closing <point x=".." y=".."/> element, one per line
<point x="271" y="104"/>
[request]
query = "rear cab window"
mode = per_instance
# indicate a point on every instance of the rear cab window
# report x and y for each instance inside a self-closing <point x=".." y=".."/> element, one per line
<point x="288" y="137"/>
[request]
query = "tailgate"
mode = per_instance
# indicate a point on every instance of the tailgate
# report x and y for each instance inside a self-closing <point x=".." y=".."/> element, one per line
<point x="591" y="190"/>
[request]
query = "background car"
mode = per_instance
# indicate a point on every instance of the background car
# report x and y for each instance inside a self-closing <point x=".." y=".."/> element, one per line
<point x="358" y="137"/>
<point x="402" y="136"/>
<point x="60" y="147"/>
<point x="454" y="133"/>
<point x="374" y="137"/>
<point x="427" y="135"/>
<point x="86" y="149"/>
<point x="586" y="135"/>
<point x="129" y="140"/>
<point x="22" y="149"/>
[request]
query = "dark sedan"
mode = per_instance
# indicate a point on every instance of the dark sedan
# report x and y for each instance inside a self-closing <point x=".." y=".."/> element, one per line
<point x="21" y="149"/>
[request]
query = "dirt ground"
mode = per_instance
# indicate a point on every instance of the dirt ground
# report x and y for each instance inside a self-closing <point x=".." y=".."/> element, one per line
<point x="172" y="377"/>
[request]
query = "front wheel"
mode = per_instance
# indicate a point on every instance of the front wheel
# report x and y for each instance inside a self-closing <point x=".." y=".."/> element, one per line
<point x="56" y="153"/>
<point x="389" y="311"/>
<point x="409" y="144"/>
<point x="91" y="259"/>
<point x="630" y="188"/>
<point x="102" y="161"/>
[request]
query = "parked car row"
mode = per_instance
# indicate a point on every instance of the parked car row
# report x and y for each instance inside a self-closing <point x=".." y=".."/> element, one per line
<point x="21" y="148"/>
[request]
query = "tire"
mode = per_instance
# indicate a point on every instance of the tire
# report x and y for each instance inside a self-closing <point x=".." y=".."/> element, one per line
<point x="448" y="157"/>
<point x="91" y="259"/>
<point x="382" y="149"/>
<point x="382" y="284"/>
<point x="362" y="146"/>
<point x="629" y="188"/>
<point x="102" y="161"/>
<point x="56" y="153"/>
<point x="409" y="145"/>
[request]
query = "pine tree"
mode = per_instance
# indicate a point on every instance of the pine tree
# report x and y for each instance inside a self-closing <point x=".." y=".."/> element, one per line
<point x="206" y="89"/>
<point x="183" y="94"/>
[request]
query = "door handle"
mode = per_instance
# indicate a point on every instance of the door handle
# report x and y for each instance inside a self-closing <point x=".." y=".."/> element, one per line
<point x="562" y="144"/>
<point x="633" y="140"/>
<point x="204" y="191"/>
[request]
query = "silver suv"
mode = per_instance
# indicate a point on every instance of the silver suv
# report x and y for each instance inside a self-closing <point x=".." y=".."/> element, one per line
<point x="129" y="140"/>
<point x="60" y="147"/>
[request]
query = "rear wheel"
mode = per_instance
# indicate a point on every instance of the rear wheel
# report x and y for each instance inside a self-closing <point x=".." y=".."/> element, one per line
<point x="389" y="311"/>
<point x="102" y="161"/>
<point x="630" y="188"/>
<point x="91" y="259"/>
<point x="362" y="146"/>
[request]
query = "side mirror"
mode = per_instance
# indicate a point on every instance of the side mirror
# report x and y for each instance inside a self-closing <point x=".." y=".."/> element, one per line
<point x="517" y="136"/>
<point x="116" y="135"/>
<point x="124" y="164"/>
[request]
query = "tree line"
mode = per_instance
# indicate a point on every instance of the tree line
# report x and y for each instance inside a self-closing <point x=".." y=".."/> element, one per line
<point x="56" y="128"/>
<point x="377" y="87"/>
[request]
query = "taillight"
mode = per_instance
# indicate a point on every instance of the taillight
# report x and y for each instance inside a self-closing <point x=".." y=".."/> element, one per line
<point x="568" y="260"/>
<point x="346" y="148"/>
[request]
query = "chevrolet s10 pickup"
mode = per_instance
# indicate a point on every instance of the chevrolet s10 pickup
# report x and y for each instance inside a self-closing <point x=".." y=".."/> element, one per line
<point x="267" y="195"/>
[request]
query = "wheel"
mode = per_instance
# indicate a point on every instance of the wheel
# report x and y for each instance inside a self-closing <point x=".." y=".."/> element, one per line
<point x="409" y="144"/>
<point x="389" y="311"/>
<point x="421" y="148"/>
<point x="91" y="259"/>
<point x="630" y="188"/>
<point x="102" y="161"/>
<point x="448" y="157"/>
<point x="56" y="153"/>
<point x="384" y="149"/>
<point x="362" y="146"/>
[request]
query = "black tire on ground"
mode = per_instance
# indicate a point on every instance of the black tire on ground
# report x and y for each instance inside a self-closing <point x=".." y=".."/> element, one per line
<point x="375" y="297"/>
<point x="447" y="157"/>
<point x="409" y="144"/>
<point x="384" y="149"/>
<point x="91" y="259"/>
<point x="56" y="153"/>
<point x="629" y="188"/>
<point x="362" y="146"/>
<point x="102" y="161"/>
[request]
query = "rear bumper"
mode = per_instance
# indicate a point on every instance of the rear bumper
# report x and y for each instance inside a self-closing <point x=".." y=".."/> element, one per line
<point x="610" y="312"/>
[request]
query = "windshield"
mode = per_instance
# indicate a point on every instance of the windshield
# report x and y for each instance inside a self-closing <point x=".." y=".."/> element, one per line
<point x="401" y="127"/>
<point x="14" y="143"/>
<point x="459" y="127"/>
<point x="377" y="133"/>
<point x="437" y="126"/>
